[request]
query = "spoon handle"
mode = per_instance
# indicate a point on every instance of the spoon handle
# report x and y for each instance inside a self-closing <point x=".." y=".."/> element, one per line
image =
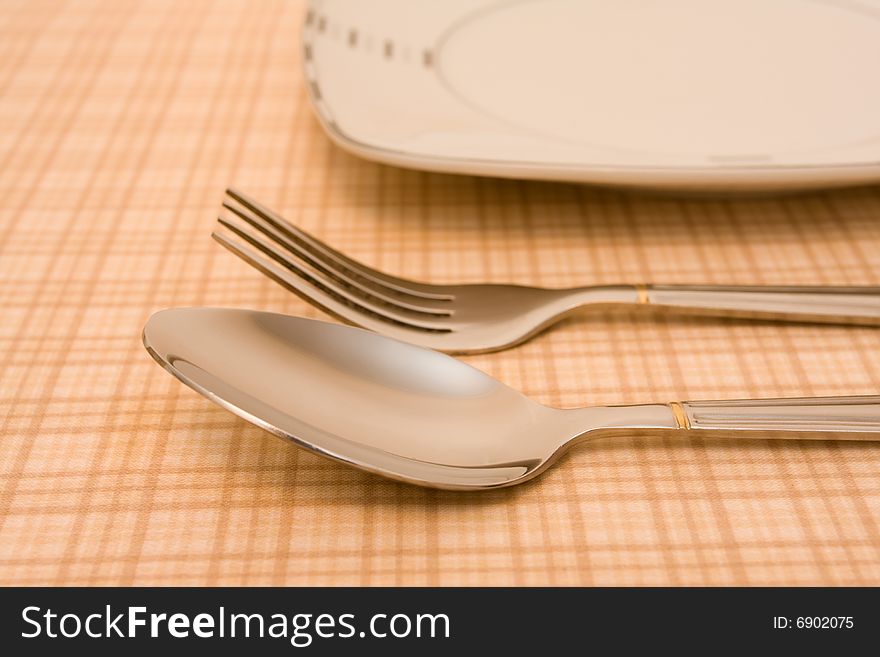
<point x="820" y="418"/>
<point x="837" y="305"/>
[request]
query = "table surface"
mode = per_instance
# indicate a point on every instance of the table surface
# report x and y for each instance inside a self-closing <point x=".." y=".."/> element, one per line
<point x="121" y="123"/>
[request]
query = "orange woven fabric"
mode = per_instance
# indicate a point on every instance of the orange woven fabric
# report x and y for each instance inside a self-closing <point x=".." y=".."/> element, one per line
<point x="120" y="125"/>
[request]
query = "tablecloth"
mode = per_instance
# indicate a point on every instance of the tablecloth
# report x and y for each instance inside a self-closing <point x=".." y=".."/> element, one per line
<point x="122" y="122"/>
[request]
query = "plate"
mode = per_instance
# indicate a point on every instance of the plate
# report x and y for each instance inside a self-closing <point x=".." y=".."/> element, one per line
<point x="677" y="94"/>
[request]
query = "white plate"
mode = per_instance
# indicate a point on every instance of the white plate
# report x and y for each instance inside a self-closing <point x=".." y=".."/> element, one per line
<point x="680" y="94"/>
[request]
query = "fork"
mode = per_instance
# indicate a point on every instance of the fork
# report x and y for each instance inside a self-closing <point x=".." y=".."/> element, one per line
<point x="475" y="318"/>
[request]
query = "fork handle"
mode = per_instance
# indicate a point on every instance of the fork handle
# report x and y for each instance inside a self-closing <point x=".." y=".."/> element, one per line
<point x="837" y="305"/>
<point x="821" y="418"/>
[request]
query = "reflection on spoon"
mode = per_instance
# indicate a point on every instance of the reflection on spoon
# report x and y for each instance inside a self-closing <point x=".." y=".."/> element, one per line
<point x="420" y="416"/>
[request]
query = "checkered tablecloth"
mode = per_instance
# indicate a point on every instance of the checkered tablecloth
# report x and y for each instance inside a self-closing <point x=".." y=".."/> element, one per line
<point x="121" y="123"/>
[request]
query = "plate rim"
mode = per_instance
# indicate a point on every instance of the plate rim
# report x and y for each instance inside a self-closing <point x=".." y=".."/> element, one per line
<point x="754" y="175"/>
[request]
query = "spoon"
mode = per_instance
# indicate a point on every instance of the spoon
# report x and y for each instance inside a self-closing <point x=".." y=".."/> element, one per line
<point x="423" y="417"/>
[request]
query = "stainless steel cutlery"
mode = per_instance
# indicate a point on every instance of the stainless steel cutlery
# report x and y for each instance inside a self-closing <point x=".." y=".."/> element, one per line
<point x="385" y="400"/>
<point x="420" y="416"/>
<point x="489" y="317"/>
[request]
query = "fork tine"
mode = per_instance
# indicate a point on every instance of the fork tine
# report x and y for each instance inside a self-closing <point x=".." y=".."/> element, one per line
<point x="354" y="285"/>
<point x="328" y="253"/>
<point x="307" y="283"/>
<point x="317" y="297"/>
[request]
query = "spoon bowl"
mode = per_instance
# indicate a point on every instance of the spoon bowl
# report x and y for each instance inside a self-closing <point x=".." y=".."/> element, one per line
<point x="376" y="403"/>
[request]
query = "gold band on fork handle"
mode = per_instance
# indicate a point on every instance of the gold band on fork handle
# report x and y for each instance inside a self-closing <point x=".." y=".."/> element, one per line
<point x="844" y="305"/>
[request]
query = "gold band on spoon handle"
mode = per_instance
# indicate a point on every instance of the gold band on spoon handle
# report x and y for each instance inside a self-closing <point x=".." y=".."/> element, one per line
<point x="820" y="418"/>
